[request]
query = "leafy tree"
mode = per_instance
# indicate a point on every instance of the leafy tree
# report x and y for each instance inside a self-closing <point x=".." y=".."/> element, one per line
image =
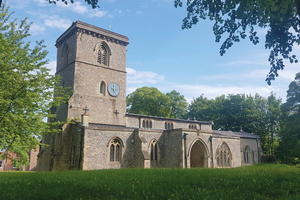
<point x="273" y="118"/>
<point x="149" y="101"/>
<point x="289" y="145"/>
<point x="178" y="104"/>
<point x="240" y="18"/>
<point x="26" y="90"/>
<point x="204" y="109"/>
<point x="93" y="3"/>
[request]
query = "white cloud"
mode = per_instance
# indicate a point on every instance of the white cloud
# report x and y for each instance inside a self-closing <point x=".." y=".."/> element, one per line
<point x="139" y="12"/>
<point x="118" y="11"/>
<point x="41" y="2"/>
<point x="244" y="62"/>
<point x="77" y="7"/>
<point x="52" y="67"/>
<point x="54" y="22"/>
<point x="143" y="77"/>
<point x="36" y="29"/>
<point x="97" y="13"/>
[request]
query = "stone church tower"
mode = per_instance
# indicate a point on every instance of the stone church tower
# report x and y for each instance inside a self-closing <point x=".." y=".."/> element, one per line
<point x="92" y="62"/>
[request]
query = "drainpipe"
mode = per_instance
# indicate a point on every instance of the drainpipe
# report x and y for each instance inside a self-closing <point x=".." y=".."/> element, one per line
<point x="185" y="154"/>
<point x="211" y="153"/>
<point x="257" y="150"/>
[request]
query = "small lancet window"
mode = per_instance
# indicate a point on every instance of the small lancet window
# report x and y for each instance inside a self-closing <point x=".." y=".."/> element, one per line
<point x="102" y="88"/>
<point x="154" y="150"/>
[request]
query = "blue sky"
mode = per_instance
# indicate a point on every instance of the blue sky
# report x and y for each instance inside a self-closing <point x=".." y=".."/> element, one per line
<point x="160" y="54"/>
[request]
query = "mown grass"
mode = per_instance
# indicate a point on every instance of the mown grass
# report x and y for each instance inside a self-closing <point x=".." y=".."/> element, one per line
<point x="251" y="182"/>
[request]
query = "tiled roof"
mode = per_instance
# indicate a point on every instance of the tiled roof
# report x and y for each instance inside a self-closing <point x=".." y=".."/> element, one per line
<point x="240" y="134"/>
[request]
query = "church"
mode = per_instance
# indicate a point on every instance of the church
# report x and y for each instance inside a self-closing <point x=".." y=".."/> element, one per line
<point x="92" y="62"/>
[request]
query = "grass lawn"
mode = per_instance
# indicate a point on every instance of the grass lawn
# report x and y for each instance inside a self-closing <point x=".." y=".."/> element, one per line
<point x="251" y="182"/>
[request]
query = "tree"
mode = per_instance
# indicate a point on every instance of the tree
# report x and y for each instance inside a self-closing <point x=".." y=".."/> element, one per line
<point x="289" y="145"/>
<point x="240" y="18"/>
<point x="26" y="90"/>
<point x="273" y="118"/>
<point x="178" y="104"/>
<point x="93" y="3"/>
<point x="149" y="101"/>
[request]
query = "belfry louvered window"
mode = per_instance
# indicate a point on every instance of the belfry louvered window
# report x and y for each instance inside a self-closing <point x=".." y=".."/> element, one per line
<point x="102" y="56"/>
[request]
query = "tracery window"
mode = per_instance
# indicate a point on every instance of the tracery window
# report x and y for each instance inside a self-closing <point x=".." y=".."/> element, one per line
<point x="147" y="124"/>
<point x="65" y="55"/>
<point x="102" y="88"/>
<point x="169" y="125"/>
<point x="154" y="150"/>
<point x="102" y="55"/>
<point x="247" y="155"/>
<point x="223" y="156"/>
<point x="115" y="150"/>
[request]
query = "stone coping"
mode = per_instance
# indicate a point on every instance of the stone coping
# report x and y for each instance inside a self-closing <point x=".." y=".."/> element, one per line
<point x="78" y="26"/>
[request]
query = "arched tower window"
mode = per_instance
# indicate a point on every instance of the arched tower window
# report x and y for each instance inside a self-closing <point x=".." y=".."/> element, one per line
<point x="65" y="55"/>
<point x="223" y="156"/>
<point x="103" y="53"/>
<point x="247" y="154"/>
<point x="115" y="148"/>
<point x="154" y="150"/>
<point x="102" y="88"/>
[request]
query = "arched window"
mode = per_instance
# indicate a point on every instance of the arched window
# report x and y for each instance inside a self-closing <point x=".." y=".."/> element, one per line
<point x="102" y="88"/>
<point x="247" y="154"/>
<point x="65" y="55"/>
<point x="147" y="124"/>
<point x="103" y="53"/>
<point x="169" y="125"/>
<point x="115" y="150"/>
<point x="154" y="150"/>
<point x="223" y="156"/>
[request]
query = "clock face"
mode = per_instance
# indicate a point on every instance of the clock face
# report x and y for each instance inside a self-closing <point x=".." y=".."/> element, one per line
<point x="113" y="89"/>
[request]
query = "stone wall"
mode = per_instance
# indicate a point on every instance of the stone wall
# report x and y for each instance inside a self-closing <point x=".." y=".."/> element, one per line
<point x="255" y="153"/>
<point x="234" y="146"/>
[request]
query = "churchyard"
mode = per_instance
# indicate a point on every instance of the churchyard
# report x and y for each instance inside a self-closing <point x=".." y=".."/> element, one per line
<point x="263" y="181"/>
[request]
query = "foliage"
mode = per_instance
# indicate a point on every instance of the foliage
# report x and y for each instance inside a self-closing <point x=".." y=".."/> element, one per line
<point x="178" y="104"/>
<point x="240" y="18"/>
<point x="93" y="3"/>
<point x="289" y="146"/>
<point x="26" y="89"/>
<point x="150" y="101"/>
<point x="250" y="182"/>
<point x="255" y="115"/>
<point x="268" y="159"/>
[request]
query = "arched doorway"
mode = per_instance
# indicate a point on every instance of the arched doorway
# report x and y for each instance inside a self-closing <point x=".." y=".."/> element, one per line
<point x="198" y="155"/>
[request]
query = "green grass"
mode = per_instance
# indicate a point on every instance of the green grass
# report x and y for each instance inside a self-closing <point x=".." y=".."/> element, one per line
<point x="251" y="182"/>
